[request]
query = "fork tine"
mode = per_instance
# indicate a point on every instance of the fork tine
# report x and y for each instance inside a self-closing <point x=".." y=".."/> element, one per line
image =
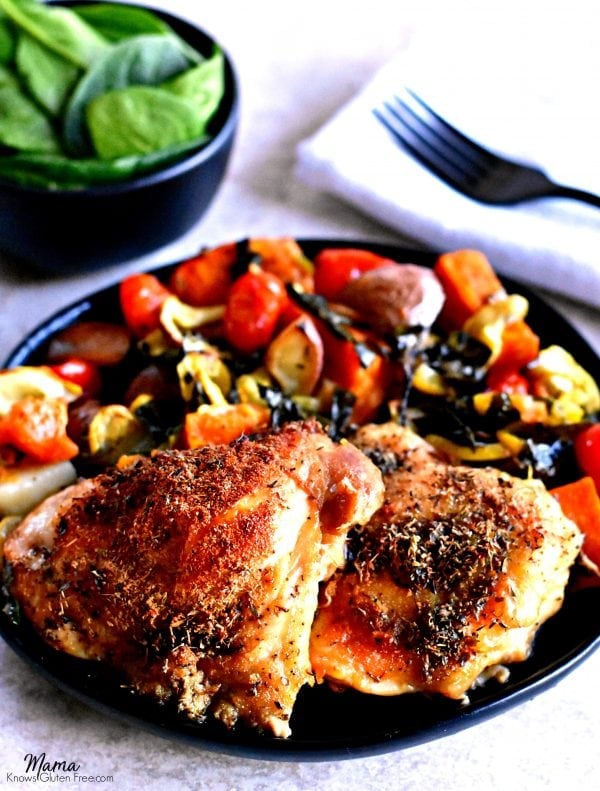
<point x="470" y="165"/>
<point x="396" y="124"/>
<point x="447" y="133"/>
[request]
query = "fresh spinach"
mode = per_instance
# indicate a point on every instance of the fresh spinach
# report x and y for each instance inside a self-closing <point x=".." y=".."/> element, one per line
<point x="118" y="22"/>
<point x="7" y="40"/>
<point x="204" y="84"/>
<point x="55" y="171"/>
<point x="48" y="77"/>
<point x="142" y="60"/>
<point x="98" y="94"/>
<point x="22" y="124"/>
<point x="148" y="119"/>
<point x="60" y="29"/>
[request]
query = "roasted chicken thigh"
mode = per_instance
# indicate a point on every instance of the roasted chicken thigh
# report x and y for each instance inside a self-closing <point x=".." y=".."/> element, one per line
<point x="197" y="572"/>
<point x="451" y="577"/>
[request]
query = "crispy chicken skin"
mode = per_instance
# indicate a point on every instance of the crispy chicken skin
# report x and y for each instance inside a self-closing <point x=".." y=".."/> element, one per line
<point x="197" y="572"/>
<point x="452" y="576"/>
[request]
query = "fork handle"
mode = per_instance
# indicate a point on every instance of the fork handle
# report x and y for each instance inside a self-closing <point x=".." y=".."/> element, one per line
<point x="575" y="194"/>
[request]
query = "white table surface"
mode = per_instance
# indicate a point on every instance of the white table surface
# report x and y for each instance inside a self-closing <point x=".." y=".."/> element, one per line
<point x="298" y="63"/>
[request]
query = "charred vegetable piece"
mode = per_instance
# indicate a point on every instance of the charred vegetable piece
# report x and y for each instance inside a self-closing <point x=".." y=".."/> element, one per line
<point x="295" y="357"/>
<point x="97" y="342"/>
<point x="115" y="431"/>
<point x="178" y="319"/>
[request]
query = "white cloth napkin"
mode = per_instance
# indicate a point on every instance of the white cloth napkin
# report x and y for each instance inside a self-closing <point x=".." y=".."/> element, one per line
<point x="540" y="116"/>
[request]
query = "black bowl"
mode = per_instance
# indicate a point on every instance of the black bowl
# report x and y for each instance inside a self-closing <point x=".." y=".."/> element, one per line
<point x="73" y="230"/>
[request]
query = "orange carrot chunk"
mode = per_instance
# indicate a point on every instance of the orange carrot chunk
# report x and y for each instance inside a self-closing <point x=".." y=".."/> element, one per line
<point x="520" y="346"/>
<point x="581" y="503"/>
<point x="469" y="281"/>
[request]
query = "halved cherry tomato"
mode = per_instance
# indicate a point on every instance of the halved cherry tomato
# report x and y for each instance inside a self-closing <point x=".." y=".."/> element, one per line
<point x="336" y="267"/>
<point x="38" y="427"/>
<point x="80" y="372"/>
<point x="587" y="452"/>
<point x="254" y="305"/>
<point x="206" y="279"/>
<point x="142" y="296"/>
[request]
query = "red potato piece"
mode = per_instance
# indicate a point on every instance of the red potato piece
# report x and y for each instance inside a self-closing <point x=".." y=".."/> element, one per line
<point x="395" y="296"/>
<point x="98" y="342"/>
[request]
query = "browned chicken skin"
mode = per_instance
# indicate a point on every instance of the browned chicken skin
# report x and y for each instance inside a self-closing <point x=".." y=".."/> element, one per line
<point x="452" y="576"/>
<point x="197" y="572"/>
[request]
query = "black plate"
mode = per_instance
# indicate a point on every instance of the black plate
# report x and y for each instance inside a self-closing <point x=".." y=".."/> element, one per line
<point x="327" y="725"/>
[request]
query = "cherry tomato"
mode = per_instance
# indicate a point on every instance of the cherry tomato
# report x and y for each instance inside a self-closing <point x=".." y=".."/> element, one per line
<point x="38" y="427"/>
<point x="80" y="372"/>
<point x="507" y="382"/>
<point x="587" y="452"/>
<point x="255" y="303"/>
<point x="142" y="296"/>
<point x="335" y="268"/>
<point x="205" y="279"/>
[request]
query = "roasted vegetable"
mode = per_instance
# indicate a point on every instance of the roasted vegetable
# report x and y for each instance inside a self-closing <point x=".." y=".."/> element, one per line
<point x="393" y="297"/>
<point x="295" y="357"/>
<point x="587" y="452"/>
<point x="254" y="305"/>
<point x="469" y="282"/>
<point x="336" y="267"/>
<point x="96" y="342"/>
<point x="581" y="503"/>
<point x="24" y="486"/>
<point x="142" y="296"/>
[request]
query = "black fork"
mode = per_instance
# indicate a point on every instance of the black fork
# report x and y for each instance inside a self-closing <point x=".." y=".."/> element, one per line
<point x="463" y="164"/>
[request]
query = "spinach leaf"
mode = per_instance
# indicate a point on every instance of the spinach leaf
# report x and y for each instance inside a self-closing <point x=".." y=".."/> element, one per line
<point x="141" y="119"/>
<point x="141" y="60"/>
<point x="59" y="29"/>
<point x="23" y="126"/>
<point x="117" y="22"/>
<point x="7" y="40"/>
<point x="48" y="77"/>
<point x="203" y="84"/>
<point x="56" y="171"/>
